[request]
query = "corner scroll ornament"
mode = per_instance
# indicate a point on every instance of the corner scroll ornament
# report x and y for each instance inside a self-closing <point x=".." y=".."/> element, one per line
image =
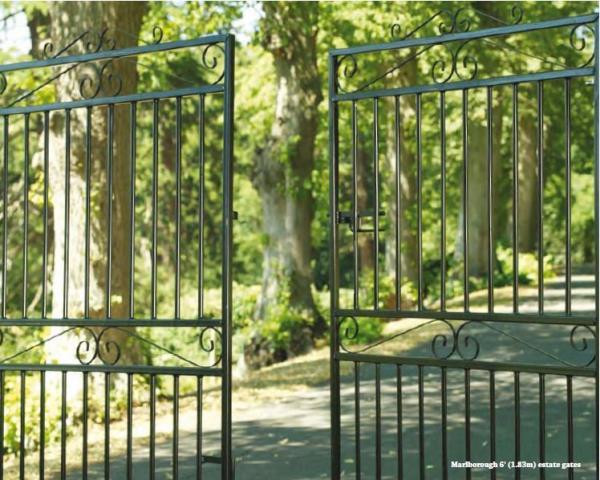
<point x="348" y="67"/>
<point x="213" y="59"/>
<point x="581" y="344"/>
<point x="578" y="40"/>
<point x="209" y="345"/>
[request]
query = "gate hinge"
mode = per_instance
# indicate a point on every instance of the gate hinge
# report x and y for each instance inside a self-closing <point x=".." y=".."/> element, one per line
<point x="235" y="215"/>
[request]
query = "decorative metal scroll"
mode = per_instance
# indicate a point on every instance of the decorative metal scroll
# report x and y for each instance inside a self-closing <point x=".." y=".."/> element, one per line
<point x="578" y="41"/>
<point x="92" y="42"/>
<point x="457" y="342"/>
<point x="101" y="78"/>
<point x="210" y="60"/>
<point x="454" y="62"/>
<point x="95" y="345"/>
<point x="455" y="21"/>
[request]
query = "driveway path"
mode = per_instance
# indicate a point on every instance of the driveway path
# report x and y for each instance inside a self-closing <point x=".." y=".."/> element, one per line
<point x="288" y="438"/>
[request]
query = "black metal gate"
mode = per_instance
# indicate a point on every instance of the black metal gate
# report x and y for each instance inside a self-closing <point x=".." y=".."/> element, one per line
<point x="459" y="164"/>
<point x="115" y="306"/>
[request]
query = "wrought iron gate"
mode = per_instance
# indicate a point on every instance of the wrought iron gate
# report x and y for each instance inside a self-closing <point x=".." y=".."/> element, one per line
<point x="441" y="153"/>
<point x="113" y="302"/>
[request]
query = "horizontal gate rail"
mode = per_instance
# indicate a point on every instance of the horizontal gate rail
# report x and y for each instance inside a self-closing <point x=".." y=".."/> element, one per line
<point x="455" y="86"/>
<point x="465" y="364"/>
<point x="120" y="53"/>
<point x="138" y="369"/>
<point x="122" y="99"/>
<point x="548" y="318"/>
<point x="469" y="35"/>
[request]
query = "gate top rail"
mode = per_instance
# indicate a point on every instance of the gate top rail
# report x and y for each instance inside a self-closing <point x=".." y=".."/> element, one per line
<point x="116" y="53"/>
<point x="455" y="68"/>
<point x="469" y="35"/>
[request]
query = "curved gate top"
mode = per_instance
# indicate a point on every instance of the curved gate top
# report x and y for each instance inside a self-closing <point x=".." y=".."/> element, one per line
<point x="116" y="170"/>
<point x="487" y="299"/>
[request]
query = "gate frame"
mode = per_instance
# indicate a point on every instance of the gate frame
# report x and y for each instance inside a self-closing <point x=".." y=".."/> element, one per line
<point x="224" y="85"/>
<point x="336" y="217"/>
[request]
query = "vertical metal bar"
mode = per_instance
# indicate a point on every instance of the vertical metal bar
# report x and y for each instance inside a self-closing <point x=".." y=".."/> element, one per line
<point x="67" y="212"/>
<point x="443" y="205"/>
<point x="25" y="212"/>
<point x="109" y="208"/>
<point x="5" y="225"/>
<point x="84" y="454"/>
<point x="178" y="207"/>
<point x="63" y="426"/>
<point x="42" y="447"/>
<point x="490" y="197"/>
<point x="201" y="163"/>
<point x="378" y="421"/>
<point x="596" y="222"/>
<point x="492" y="422"/>
<point x="154" y="278"/>
<point x="570" y="452"/>
<point x="465" y="205"/>
<point x="517" y="423"/>
<point x="226" y="297"/>
<point x="399" y="454"/>
<point x="398" y="187"/>
<point x="444" y="424"/>
<point x="22" y="426"/>
<point x="540" y="155"/>
<point x="568" y="196"/>
<point x="132" y="176"/>
<point x="468" y="419"/>
<point x="357" y="448"/>
<point x="515" y="194"/>
<point x="421" y="425"/>
<point x="376" y="203"/>
<point x="199" y="392"/>
<point x="355" y="218"/>
<point x="2" y="397"/>
<point x="129" y="425"/>
<point x="152" y="426"/>
<point x="88" y="200"/>
<point x="542" y="423"/>
<point x="176" y="427"/>
<point x="107" y="426"/>
<point x="419" y="204"/>
<point x="333" y="273"/>
<point x="45" y="217"/>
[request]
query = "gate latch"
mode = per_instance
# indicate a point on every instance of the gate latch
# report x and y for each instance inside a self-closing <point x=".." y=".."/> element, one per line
<point x="348" y="218"/>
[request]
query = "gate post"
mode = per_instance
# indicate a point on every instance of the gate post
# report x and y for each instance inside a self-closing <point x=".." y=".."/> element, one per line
<point x="333" y="272"/>
<point x="226" y="298"/>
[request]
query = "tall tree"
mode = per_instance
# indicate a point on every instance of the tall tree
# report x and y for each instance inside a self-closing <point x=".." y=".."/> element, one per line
<point x="122" y="22"/>
<point x="282" y="176"/>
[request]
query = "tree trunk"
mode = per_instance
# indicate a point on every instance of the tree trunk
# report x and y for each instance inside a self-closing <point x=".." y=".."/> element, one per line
<point x="282" y="177"/>
<point x="408" y="184"/>
<point x="527" y="184"/>
<point x="68" y="20"/>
